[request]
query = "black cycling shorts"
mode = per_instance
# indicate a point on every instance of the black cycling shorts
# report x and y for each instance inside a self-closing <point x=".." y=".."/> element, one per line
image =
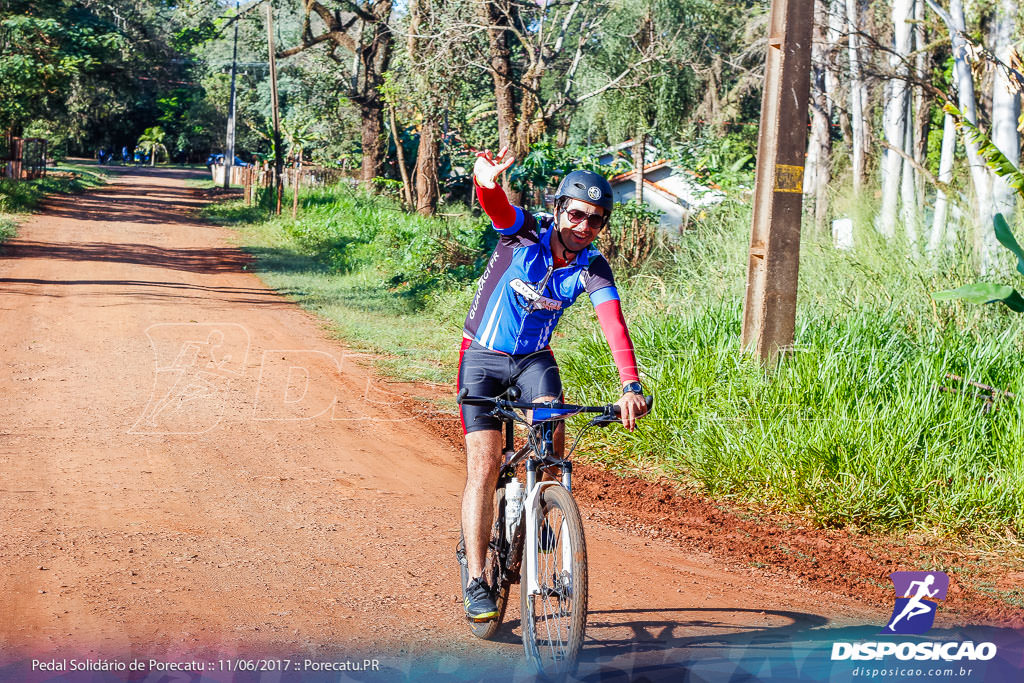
<point x="490" y="373"/>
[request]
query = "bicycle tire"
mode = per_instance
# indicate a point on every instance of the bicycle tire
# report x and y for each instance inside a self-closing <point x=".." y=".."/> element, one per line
<point x="553" y="623"/>
<point x="485" y="630"/>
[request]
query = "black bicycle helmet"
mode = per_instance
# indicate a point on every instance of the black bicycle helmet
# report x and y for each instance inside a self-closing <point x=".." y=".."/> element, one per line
<point x="586" y="186"/>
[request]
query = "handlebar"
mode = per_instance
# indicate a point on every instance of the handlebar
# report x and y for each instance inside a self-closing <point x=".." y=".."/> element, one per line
<point x="608" y="413"/>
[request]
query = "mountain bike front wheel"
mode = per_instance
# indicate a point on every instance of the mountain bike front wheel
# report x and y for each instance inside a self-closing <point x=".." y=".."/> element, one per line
<point x="497" y="549"/>
<point x="554" y="621"/>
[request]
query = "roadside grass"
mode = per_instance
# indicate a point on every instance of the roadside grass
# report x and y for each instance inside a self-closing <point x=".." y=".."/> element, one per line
<point x="850" y="429"/>
<point x="371" y="271"/>
<point x="20" y="197"/>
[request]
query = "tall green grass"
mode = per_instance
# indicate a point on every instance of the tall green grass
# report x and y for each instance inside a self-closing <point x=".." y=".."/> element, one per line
<point x="22" y="196"/>
<point x="849" y="429"/>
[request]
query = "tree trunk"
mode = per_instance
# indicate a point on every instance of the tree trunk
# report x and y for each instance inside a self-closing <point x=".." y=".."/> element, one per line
<point x="373" y="156"/>
<point x="857" y="122"/>
<point x="938" y="234"/>
<point x="426" y="168"/>
<point x="908" y="177"/>
<point x="980" y="178"/>
<point x="374" y="59"/>
<point x="403" y="170"/>
<point x="501" y="73"/>
<point x="908" y="189"/>
<point x="1005" y="114"/>
<point x="817" y="164"/>
<point x="295" y="189"/>
<point x="895" y="118"/>
<point x="639" y="149"/>
<point x="922" y="99"/>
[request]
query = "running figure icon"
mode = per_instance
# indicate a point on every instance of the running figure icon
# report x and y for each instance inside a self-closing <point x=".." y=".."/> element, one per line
<point x="917" y="596"/>
<point x="915" y="606"/>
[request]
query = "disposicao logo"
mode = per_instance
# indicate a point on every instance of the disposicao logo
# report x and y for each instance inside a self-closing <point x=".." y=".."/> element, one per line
<point x="917" y="594"/>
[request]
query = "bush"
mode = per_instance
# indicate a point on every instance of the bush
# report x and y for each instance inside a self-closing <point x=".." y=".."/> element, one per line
<point x="347" y="230"/>
<point x="632" y="235"/>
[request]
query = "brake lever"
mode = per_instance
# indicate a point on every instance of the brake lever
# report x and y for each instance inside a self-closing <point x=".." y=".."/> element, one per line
<point x="603" y="420"/>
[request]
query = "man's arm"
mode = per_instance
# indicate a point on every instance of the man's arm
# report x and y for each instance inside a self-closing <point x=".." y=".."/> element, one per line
<point x="506" y="218"/>
<point x="497" y="207"/>
<point x="613" y="325"/>
<point x="600" y="284"/>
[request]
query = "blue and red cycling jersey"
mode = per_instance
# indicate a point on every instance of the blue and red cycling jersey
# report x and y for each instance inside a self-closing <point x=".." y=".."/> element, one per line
<point x="524" y="290"/>
<point x="522" y="294"/>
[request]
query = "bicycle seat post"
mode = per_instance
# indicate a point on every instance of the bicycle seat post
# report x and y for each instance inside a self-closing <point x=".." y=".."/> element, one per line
<point x="510" y="428"/>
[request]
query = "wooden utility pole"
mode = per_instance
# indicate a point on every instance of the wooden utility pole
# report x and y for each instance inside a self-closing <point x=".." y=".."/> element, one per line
<point x="229" y="153"/>
<point x="278" y="159"/>
<point x="769" y="311"/>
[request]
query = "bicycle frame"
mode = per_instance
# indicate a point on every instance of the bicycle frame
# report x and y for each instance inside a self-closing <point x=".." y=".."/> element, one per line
<point x="560" y="595"/>
<point x="544" y="439"/>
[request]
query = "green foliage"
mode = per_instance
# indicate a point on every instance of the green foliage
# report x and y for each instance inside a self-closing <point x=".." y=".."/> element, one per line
<point x="632" y="234"/>
<point x="344" y="230"/>
<point x="152" y="142"/>
<point x="984" y="293"/>
<point x="192" y="125"/>
<point x="850" y="431"/>
<point x="547" y="163"/>
<point x="995" y="159"/>
<point x="42" y="53"/>
<point x="726" y="160"/>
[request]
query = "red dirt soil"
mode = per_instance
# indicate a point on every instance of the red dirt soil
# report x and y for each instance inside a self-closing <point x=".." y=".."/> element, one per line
<point x="188" y="462"/>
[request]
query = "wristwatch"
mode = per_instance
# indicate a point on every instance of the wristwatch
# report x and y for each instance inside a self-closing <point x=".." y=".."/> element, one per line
<point x="633" y="388"/>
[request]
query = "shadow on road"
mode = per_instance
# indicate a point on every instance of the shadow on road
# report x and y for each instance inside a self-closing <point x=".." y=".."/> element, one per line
<point x="205" y="260"/>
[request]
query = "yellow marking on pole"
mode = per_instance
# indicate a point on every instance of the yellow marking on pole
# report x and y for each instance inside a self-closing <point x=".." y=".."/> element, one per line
<point x="789" y="178"/>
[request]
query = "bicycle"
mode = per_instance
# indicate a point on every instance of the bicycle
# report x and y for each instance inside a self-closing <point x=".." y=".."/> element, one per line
<point x="541" y="518"/>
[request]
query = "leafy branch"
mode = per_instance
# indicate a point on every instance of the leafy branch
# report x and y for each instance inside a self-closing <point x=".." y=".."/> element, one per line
<point x="985" y="292"/>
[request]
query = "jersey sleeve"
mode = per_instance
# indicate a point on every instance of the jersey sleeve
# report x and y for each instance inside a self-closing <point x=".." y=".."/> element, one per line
<point x="600" y="283"/>
<point x="507" y="219"/>
<point x="600" y="286"/>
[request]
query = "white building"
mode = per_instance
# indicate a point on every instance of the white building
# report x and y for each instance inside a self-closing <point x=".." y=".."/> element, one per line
<point x="673" y="192"/>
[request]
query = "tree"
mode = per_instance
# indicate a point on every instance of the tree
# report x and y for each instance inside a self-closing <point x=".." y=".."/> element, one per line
<point x="896" y="124"/>
<point x="1005" y="114"/>
<point x="662" y="93"/>
<point x="152" y="142"/>
<point x="819" y="147"/>
<point x="964" y="80"/>
<point x="534" y="53"/>
<point x="858" y="92"/>
<point x="44" y="50"/>
<point x="360" y="28"/>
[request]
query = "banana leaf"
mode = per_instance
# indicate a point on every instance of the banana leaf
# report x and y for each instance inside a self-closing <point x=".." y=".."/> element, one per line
<point x="985" y="293"/>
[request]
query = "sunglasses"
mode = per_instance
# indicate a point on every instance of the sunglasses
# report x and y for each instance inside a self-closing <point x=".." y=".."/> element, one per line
<point x="594" y="221"/>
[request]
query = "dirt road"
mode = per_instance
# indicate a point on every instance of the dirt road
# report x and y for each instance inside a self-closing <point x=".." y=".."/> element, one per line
<point x="191" y="468"/>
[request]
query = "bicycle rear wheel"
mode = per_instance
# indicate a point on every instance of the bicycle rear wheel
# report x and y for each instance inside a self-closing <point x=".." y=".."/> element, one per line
<point x="554" y="621"/>
<point x="497" y="549"/>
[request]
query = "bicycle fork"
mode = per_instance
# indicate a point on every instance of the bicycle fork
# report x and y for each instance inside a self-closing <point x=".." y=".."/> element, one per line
<point x="532" y="512"/>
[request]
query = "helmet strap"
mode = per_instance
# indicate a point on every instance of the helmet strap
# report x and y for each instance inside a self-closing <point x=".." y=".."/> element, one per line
<point x="558" y="234"/>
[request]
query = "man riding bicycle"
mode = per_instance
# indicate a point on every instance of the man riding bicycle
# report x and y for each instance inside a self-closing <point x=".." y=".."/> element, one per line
<point x="539" y="267"/>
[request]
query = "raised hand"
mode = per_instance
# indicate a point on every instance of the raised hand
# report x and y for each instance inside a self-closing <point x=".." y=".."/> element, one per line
<point x="488" y="167"/>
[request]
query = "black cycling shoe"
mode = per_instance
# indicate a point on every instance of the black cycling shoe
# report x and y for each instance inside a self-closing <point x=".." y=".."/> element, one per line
<point x="479" y="602"/>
